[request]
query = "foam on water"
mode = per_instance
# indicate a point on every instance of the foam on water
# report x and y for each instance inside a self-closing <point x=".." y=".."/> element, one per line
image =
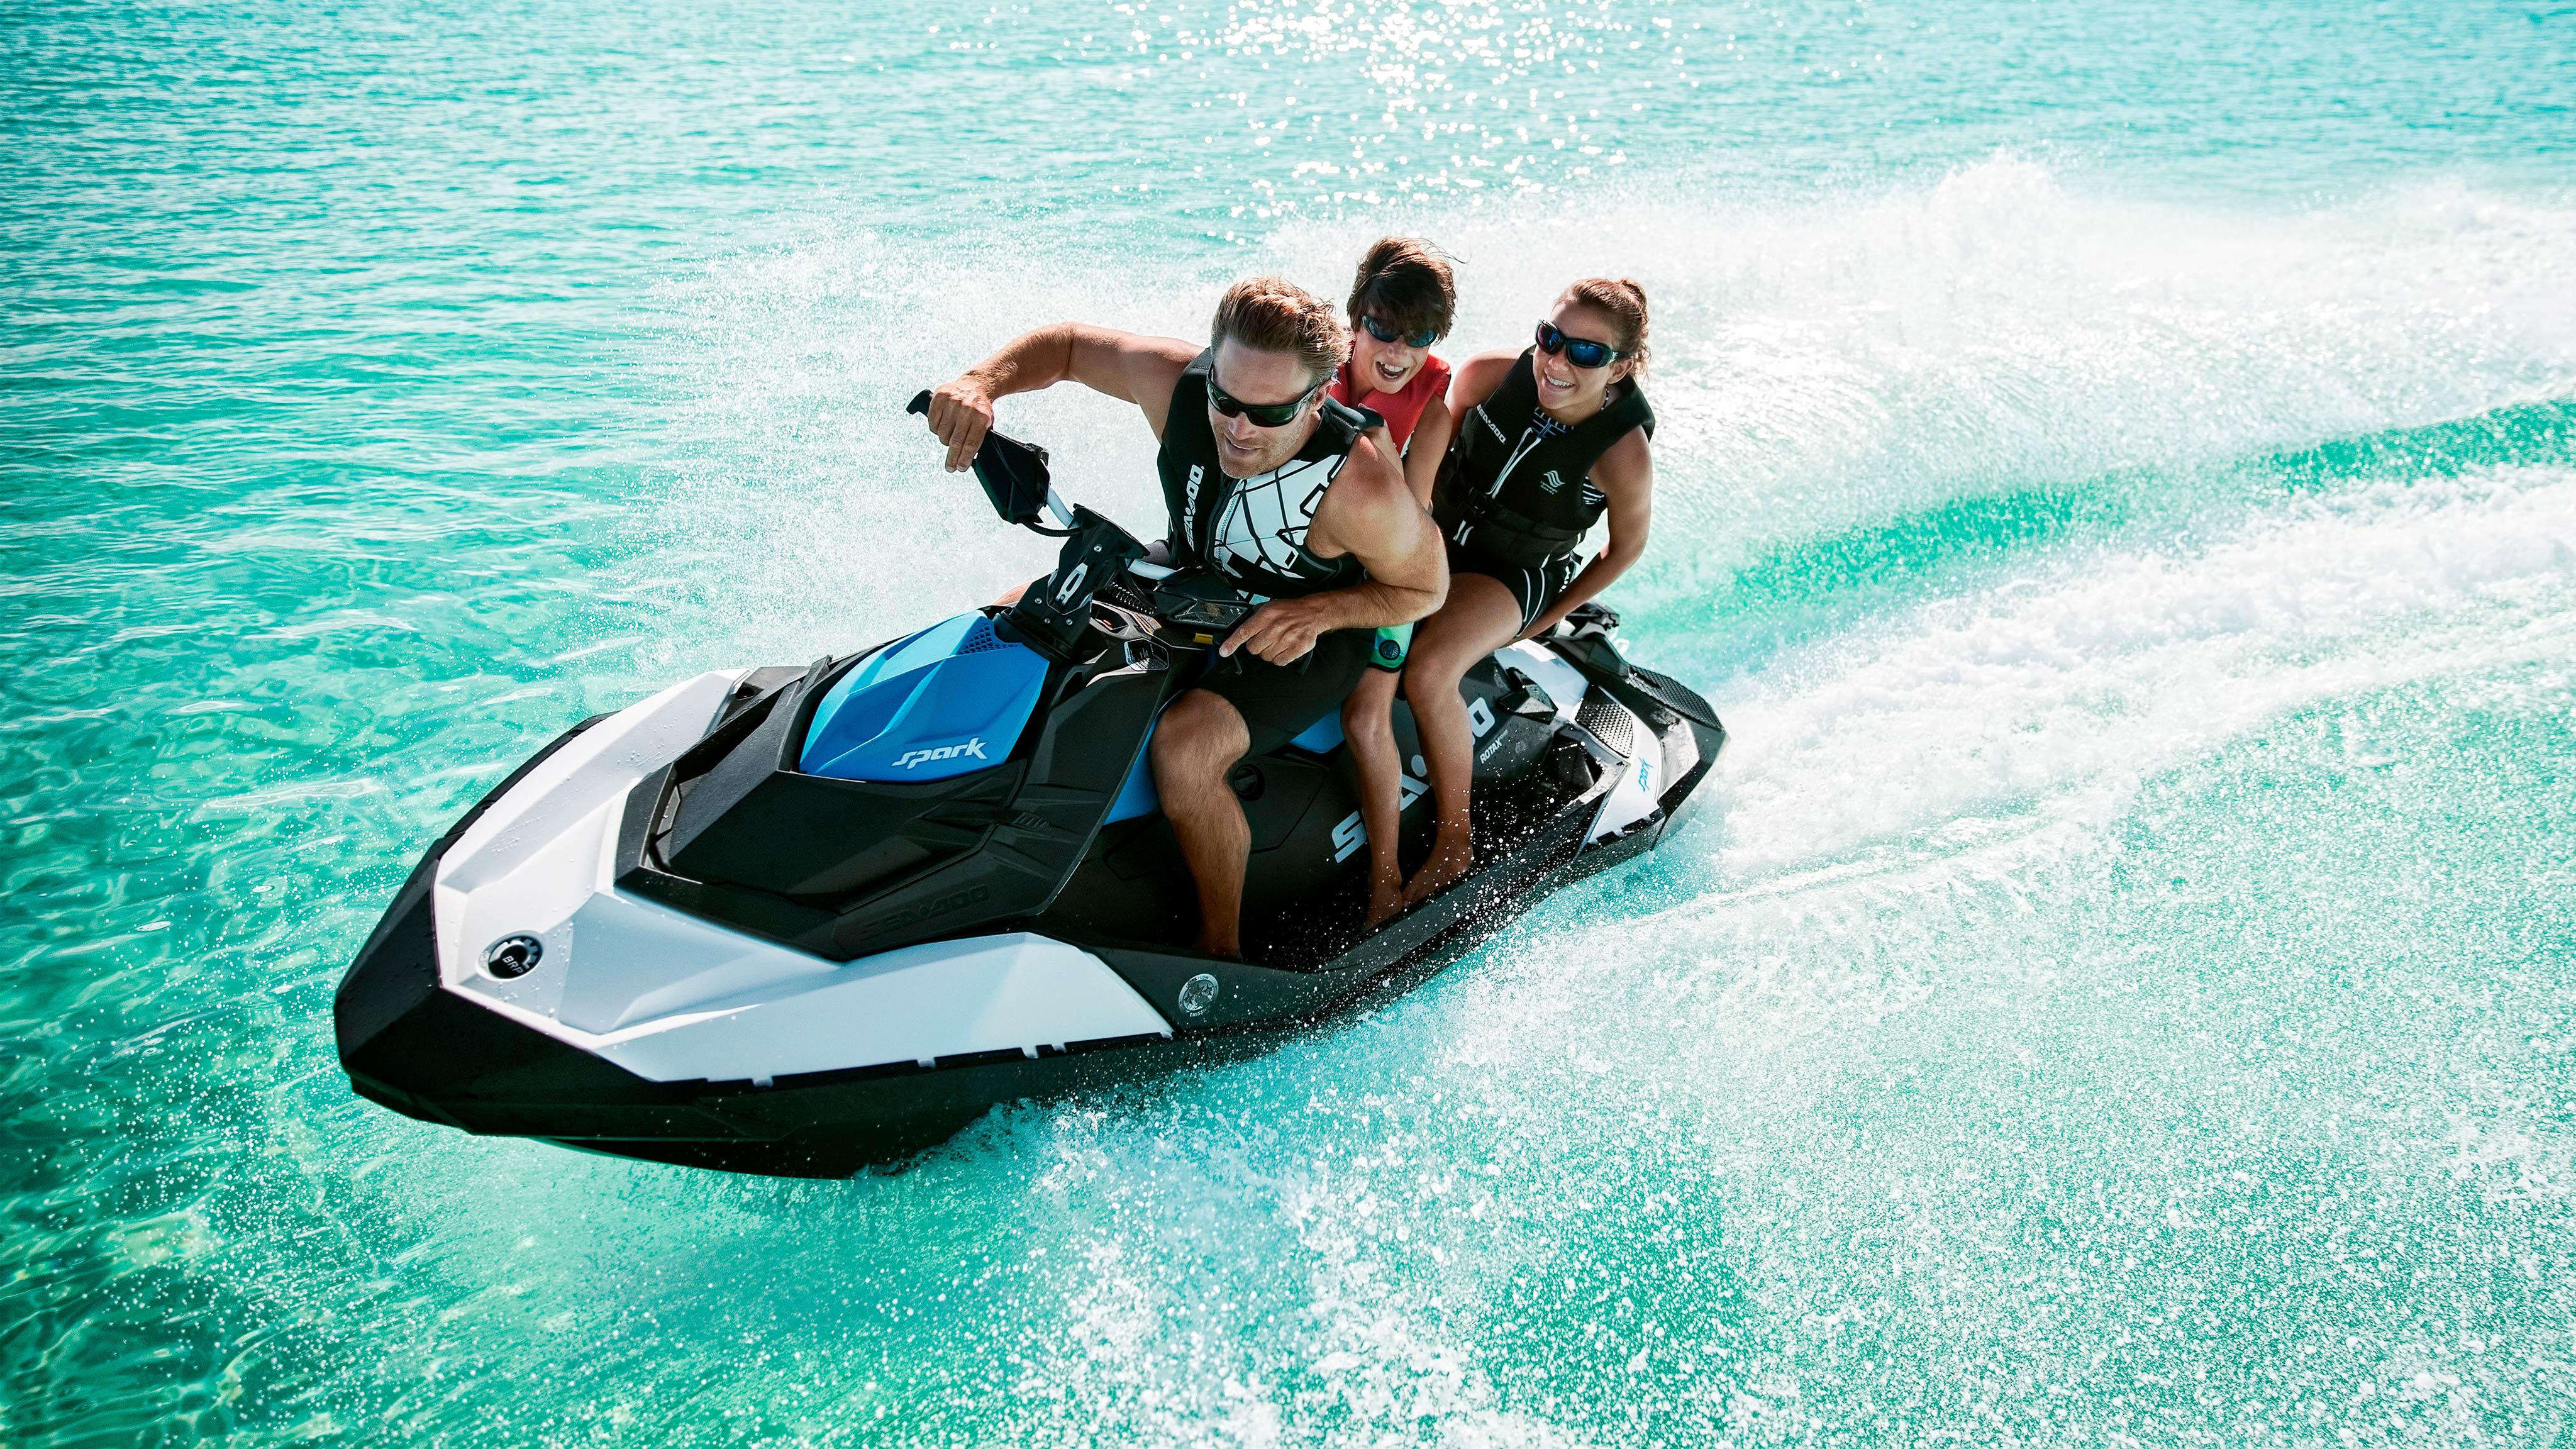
<point x="2080" y="682"/>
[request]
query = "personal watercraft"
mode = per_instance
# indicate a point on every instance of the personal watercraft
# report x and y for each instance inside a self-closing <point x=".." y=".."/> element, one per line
<point x="808" y="919"/>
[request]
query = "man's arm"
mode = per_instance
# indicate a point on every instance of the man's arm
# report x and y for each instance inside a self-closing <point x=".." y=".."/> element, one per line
<point x="1125" y="365"/>
<point x="1371" y="515"/>
<point x="1626" y="475"/>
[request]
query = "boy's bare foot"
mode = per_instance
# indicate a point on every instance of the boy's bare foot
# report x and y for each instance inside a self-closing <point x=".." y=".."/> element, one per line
<point x="1451" y="854"/>
<point x="1386" y="896"/>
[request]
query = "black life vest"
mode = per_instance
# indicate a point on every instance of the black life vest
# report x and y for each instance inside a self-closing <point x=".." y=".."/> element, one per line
<point x="1252" y="530"/>
<point x="1516" y="486"/>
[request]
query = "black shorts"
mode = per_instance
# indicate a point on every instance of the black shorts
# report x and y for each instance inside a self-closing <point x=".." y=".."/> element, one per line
<point x="1278" y="701"/>
<point x="1533" y="589"/>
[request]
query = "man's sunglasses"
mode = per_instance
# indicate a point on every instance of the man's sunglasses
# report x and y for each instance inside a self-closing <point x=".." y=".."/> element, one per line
<point x="1263" y="415"/>
<point x="1581" y="351"/>
<point x="1384" y="333"/>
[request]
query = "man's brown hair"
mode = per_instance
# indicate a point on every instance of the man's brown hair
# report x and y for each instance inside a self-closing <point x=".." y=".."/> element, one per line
<point x="1406" y="283"/>
<point x="1272" y="314"/>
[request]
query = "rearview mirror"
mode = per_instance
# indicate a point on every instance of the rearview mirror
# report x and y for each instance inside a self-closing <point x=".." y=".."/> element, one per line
<point x="1014" y="474"/>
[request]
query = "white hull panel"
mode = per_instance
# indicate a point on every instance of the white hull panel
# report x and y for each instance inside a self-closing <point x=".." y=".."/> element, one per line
<point x="674" y="998"/>
<point x="987" y="993"/>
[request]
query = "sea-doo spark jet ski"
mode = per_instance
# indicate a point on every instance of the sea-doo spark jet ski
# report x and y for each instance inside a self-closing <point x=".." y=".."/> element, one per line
<point x="809" y="918"/>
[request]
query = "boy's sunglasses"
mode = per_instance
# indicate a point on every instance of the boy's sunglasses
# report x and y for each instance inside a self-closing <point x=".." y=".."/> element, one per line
<point x="1263" y="415"/>
<point x="1581" y="351"/>
<point x="1384" y="333"/>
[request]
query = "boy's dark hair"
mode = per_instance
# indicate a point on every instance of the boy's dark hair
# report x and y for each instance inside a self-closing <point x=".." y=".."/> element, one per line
<point x="1406" y="283"/>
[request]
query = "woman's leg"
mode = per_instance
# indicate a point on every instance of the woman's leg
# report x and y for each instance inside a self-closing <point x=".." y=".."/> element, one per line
<point x="1371" y="732"/>
<point x="1480" y="617"/>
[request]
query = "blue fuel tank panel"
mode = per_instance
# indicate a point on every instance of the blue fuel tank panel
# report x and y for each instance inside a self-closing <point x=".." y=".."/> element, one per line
<point x="948" y="701"/>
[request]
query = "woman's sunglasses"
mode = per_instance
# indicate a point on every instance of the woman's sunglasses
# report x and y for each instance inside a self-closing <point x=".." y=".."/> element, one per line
<point x="1581" y="351"/>
<point x="1384" y="333"/>
<point x="1263" y="415"/>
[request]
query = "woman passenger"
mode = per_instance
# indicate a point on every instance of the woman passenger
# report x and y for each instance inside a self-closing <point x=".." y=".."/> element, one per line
<point x="1548" y="441"/>
<point x="1402" y="301"/>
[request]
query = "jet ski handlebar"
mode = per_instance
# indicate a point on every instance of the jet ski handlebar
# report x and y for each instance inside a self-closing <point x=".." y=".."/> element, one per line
<point x="1014" y="475"/>
<point x="1055" y="615"/>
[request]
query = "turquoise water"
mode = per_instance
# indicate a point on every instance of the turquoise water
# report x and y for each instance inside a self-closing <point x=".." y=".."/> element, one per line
<point x="2118" y="481"/>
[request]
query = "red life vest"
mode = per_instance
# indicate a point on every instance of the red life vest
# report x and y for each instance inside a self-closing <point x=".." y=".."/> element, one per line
<point x="1402" y="408"/>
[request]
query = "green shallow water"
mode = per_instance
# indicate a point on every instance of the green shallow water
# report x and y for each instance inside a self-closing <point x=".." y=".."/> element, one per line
<point x="2117" y="480"/>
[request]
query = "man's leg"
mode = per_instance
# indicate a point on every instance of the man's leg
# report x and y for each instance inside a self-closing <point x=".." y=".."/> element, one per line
<point x="1480" y="617"/>
<point x="1197" y="742"/>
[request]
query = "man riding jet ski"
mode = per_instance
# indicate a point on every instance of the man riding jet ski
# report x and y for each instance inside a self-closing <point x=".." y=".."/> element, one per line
<point x="1287" y="499"/>
<point x="809" y="918"/>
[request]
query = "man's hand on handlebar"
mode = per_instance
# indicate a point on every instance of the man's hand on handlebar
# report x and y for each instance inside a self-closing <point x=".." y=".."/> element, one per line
<point x="961" y="413"/>
<point x="1281" y="631"/>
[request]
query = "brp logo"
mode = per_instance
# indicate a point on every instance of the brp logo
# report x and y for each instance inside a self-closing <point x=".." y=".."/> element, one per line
<point x="915" y="759"/>
<point x="512" y="957"/>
